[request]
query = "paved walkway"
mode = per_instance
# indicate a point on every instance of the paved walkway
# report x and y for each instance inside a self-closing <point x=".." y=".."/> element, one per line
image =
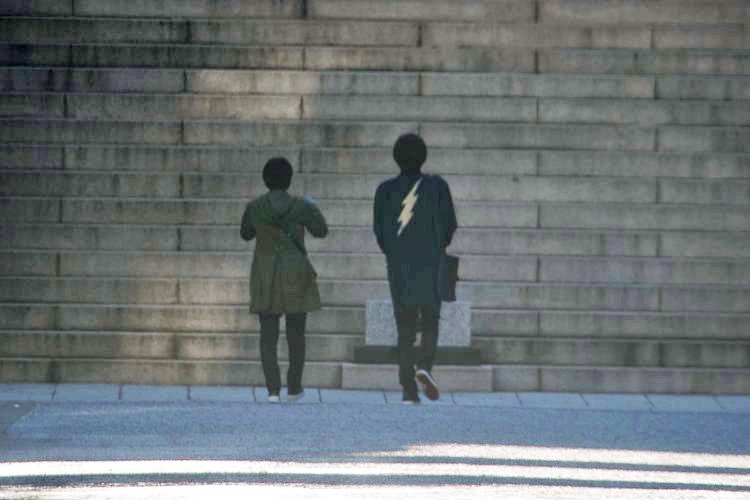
<point x="74" y="441"/>
<point x="67" y="393"/>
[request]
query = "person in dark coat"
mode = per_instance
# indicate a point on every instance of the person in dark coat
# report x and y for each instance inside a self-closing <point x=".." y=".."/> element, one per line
<point x="282" y="280"/>
<point x="414" y="220"/>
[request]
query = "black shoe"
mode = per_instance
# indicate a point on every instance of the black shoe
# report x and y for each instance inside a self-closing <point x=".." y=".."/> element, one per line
<point x="410" y="398"/>
<point x="429" y="386"/>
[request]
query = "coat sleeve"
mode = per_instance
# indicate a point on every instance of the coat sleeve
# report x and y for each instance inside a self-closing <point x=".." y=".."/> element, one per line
<point x="247" y="229"/>
<point x="314" y="221"/>
<point x="447" y="213"/>
<point x="377" y="218"/>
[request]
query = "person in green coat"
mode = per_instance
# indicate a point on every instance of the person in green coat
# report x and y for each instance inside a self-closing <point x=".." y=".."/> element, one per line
<point x="282" y="280"/>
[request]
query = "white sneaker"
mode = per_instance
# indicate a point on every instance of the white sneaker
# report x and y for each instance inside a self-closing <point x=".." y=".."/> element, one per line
<point x="295" y="397"/>
<point x="274" y="399"/>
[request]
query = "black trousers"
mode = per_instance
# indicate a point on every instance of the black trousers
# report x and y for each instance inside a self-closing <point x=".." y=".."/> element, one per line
<point x="269" y="340"/>
<point x="406" y="325"/>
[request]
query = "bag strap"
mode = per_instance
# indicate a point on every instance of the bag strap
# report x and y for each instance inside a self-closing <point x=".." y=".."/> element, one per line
<point x="436" y="214"/>
<point x="283" y="224"/>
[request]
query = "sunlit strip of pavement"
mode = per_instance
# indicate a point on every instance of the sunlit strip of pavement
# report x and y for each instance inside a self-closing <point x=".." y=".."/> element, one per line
<point x="444" y="472"/>
<point x="581" y="455"/>
<point x="306" y="492"/>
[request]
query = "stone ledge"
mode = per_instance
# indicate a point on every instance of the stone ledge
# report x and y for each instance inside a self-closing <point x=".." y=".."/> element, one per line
<point x="449" y="378"/>
<point x="444" y="356"/>
<point x="454" y="327"/>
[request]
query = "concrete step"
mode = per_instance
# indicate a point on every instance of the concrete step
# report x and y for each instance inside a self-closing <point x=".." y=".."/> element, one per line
<point x="154" y="55"/>
<point x="591" y="137"/>
<point x="134" y="211"/>
<point x="37" y="8"/>
<point x="726" y="87"/>
<point x="533" y="188"/>
<point x="642" y="61"/>
<point x="709" y="87"/>
<point x="709" y="165"/>
<point x="217" y="81"/>
<point x="351" y="376"/>
<point x="456" y="59"/>
<point x="429" y="108"/>
<point x="153" y="107"/>
<point x="476" y="59"/>
<point x="532" y="35"/>
<point x="268" y="57"/>
<point x="168" y="158"/>
<point x="371" y="160"/>
<point x="626" y="216"/>
<point x="212" y="81"/>
<point x="730" y="35"/>
<point x="88" y="131"/>
<point x="562" y="379"/>
<point x="621" y="380"/>
<point x="617" y="12"/>
<point x="609" y="137"/>
<point x="495" y="323"/>
<point x="640" y="216"/>
<point x="469" y="10"/>
<point x="610" y="111"/>
<point x="64" y="79"/>
<point x="449" y="377"/>
<point x="615" y="352"/>
<point x="190" y="8"/>
<point x="704" y="139"/>
<point x="308" y="82"/>
<point x="36" y="105"/>
<point x="166" y="372"/>
<point x="639" y="35"/>
<point x="437" y="134"/>
<point x="339" y="290"/>
<point x="363" y="187"/>
<point x="250" y="160"/>
<point x="637" y="273"/>
<point x="210" y="31"/>
<point x="259" y="134"/>
<point x="167" y="318"/>
<point x="643" y="112"/>
<point x="582" y="137"/>
<point x="159" y="345"/>
<point x="352" y="239"/>
<point x="82" y="30"/>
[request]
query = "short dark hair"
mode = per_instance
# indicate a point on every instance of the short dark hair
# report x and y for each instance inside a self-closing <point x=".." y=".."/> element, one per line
<point x="409" y="152"/>
<point x="277" y="174"/>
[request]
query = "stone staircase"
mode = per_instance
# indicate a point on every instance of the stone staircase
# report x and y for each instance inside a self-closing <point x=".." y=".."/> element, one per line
<point x="598" y="154"/>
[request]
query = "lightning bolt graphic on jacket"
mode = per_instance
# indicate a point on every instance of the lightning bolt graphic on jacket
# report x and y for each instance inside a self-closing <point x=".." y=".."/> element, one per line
<point x="407" y="207"/>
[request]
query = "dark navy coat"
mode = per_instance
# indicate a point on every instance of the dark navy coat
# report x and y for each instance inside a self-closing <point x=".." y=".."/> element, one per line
<point x="405" y="211"/>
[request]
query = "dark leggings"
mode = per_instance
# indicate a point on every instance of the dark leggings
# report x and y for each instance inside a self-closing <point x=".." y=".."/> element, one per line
<point x="406" y="324"/>
<point x="269" y="340"/>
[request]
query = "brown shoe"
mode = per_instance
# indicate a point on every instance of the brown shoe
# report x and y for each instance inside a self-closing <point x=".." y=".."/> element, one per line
<point x="429" y="386"/>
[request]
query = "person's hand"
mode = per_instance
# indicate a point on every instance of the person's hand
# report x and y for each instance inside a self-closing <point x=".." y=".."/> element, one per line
<point x="309" y="199"/>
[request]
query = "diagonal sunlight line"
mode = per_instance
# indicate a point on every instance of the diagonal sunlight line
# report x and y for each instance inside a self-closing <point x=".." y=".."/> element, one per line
<point x="580" y="455"/>
<point x="62" y="469"/>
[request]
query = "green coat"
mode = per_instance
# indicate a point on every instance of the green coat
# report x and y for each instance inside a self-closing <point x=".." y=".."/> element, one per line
<point x="282" y="280"/>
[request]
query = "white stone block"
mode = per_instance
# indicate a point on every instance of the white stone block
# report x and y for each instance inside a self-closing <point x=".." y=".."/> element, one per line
<point x="454" y="328"/>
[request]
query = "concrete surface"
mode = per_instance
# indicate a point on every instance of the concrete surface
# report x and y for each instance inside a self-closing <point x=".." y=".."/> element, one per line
<point x="338" y="444"/>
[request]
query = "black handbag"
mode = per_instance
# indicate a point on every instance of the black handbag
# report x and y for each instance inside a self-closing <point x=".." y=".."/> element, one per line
<point x="448" y="264"/>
